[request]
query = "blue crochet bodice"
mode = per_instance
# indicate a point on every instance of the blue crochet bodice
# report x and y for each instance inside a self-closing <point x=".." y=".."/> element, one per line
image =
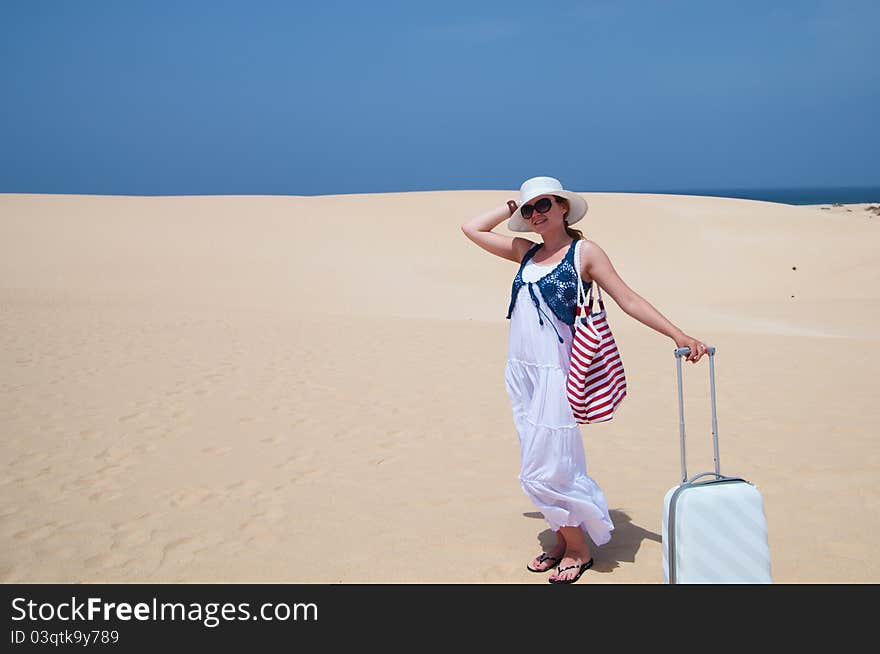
<point x="558" y="287"/>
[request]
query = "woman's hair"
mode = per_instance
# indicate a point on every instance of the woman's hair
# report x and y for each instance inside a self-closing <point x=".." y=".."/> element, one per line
<point x="576" y="234"/>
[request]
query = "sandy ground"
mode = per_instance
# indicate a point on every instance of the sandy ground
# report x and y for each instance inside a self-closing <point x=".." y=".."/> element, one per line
<point x="310" y="389"/>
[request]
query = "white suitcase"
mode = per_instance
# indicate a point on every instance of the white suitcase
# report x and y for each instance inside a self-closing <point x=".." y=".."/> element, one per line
<point x="714" y="529"/>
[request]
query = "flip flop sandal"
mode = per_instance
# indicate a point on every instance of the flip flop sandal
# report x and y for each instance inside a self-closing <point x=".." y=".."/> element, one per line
<point x="582" y="568"/>
<point x="544" y="557"/>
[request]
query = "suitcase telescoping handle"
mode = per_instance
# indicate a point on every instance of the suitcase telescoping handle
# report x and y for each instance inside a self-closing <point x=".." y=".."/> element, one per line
<point x="684" y="351"/>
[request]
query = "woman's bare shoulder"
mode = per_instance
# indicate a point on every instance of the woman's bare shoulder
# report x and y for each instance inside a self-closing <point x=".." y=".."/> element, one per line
<point x="591" y="253"/>
<point x="590" y="250"/>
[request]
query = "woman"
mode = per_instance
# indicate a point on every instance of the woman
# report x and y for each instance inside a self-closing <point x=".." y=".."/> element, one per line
<point x="542" y="306"/>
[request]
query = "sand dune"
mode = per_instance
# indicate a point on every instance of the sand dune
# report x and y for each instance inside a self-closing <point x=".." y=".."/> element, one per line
<point x="310" y="389"/>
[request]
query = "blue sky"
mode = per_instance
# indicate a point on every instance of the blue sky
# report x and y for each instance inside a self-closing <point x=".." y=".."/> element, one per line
<point x="287" y="98"/>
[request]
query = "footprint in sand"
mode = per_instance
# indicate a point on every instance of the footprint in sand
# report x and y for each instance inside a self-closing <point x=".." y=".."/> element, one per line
<point x="113" y="454"/>
<point x="244" y="489"/>
<point x="182" y="550"/>
<point x="8" y="511"/>
<point x="192" y="497"/>
<point x="113" y="469"/>
<point x="138" y="522"/>
<point x="216" y="450"/>
<point x="262" y="525"/>
<point x="100" y="479"/>
<point x="87" y="482"/>
<point x="43" y="472"/>
<point x="105" y="496"/>
<point x="105" y="560"/>
<point x="301" y="475"/>
<point x="134" y="539"/>
<point x="293" y="462"/>
<point x="36" y="533"/>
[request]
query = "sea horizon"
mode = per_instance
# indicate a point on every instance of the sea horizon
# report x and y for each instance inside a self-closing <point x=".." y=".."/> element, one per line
<point x="782" y="195"/>
<point x="785" y="195"/>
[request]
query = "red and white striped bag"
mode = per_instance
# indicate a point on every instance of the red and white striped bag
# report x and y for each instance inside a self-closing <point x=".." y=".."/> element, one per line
<point x="596" y="382"/>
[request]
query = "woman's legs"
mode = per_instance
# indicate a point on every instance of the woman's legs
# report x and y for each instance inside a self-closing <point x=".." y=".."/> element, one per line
<point x="577" y="552"/>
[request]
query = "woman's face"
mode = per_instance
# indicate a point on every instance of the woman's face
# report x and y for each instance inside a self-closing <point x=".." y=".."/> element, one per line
<point x="549" y="221"/>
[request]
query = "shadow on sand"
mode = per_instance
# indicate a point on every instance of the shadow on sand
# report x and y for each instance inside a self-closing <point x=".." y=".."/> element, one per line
<point x="625" y="541"/>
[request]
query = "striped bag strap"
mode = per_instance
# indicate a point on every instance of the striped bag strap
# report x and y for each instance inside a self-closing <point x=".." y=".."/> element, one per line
<point x="582" y="300"/>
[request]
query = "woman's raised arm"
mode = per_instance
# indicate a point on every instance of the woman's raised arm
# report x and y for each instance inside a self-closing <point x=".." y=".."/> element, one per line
<point x="598" y="266"/>
<point x="479" y="230"/>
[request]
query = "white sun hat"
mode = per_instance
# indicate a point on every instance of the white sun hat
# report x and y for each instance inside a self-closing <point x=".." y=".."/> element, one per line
<point x="537" y="186"/>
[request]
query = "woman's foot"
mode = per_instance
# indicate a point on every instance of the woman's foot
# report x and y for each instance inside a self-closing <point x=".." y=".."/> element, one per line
<point x="571" y="567"/>
<point x="546" y="560"/>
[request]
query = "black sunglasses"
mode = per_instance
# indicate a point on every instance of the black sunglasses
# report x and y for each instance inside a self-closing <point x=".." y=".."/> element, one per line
<point x="541" y="206"/>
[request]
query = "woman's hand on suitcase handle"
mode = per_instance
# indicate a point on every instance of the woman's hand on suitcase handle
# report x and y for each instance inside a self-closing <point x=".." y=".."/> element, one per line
<point x="697" y="348"/>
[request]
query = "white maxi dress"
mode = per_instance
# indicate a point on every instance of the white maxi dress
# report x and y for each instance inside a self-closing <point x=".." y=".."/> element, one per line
<point x="553" y="470"/>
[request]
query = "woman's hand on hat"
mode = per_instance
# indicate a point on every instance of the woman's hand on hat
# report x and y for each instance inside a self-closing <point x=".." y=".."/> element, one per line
<point x="511" y="206"/>
<point x="697" y="348"/>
